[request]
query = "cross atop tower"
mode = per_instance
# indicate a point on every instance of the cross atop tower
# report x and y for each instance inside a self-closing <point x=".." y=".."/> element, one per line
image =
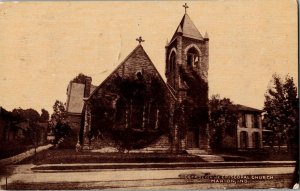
<point x="185" y="7"/>
<point x="140" y="40"/>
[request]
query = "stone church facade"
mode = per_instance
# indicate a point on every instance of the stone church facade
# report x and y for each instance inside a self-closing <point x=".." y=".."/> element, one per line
<point x="135" y="109"/>
<point x="187" y="71"/>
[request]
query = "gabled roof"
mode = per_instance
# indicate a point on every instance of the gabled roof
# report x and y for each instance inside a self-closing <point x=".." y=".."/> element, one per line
<point x="187" y="28"/>
<point x="243" y="108"/>
<point x="246" y="108"/>
<point x="139" y="47"/>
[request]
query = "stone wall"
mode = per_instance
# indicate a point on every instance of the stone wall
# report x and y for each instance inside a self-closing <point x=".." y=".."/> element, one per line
<point x="195" y="77"/>
<point x="202" y="69"/>
<point x="137" y="61"/>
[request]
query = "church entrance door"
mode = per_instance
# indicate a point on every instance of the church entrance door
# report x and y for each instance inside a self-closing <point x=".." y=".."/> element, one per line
<point x="193" y="138"/>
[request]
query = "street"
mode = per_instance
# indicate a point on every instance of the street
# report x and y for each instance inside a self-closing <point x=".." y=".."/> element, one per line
<point x="23" y="177"/>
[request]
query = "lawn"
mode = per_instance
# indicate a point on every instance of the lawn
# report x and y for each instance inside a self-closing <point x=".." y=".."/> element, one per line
<point x="10" y="150"/>
<point x="262" y="155"/>
<point x="68" y="156"/>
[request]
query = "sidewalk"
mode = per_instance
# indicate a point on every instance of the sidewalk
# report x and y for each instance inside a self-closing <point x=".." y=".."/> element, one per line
<point x="22" y="156"/>
<point x="88" y="167"/>
<point x="259" y="174"/>
<point x="143" y="178"/>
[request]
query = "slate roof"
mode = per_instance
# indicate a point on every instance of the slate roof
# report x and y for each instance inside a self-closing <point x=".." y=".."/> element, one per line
<point x="187" y="28"/>
<point x="121" y="64"/>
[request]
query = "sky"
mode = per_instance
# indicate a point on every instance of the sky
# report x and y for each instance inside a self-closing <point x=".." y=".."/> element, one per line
<point x="44" y="45"/>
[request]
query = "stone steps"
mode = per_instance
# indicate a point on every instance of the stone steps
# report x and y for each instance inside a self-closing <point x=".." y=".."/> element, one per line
<point x="196" y="151"/>
<point x="205" y="156"/>
<point x="211" y="158"/>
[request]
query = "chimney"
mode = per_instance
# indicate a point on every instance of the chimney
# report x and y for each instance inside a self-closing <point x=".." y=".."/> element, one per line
<point x="87" y="88"/>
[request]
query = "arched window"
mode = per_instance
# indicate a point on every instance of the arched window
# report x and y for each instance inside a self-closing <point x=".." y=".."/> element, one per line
<point x="172" y="62"/>
<point x="120" y="111"/>
<point x="192" y="57"/>
<point x="255" y="138"/>
<point x="139" y="75"/>
<point x="244" y="139"/>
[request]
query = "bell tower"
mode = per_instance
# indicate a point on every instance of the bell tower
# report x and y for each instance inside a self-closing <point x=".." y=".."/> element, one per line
<point x="187" y="74"/>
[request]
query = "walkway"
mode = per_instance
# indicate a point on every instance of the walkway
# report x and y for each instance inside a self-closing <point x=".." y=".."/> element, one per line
<point x="265" y="177"/>
<point x="24" y="155"/>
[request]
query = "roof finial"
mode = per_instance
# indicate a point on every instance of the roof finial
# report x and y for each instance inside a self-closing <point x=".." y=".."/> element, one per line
<point x="140" y="40"/>
<point x="185" y="7"/>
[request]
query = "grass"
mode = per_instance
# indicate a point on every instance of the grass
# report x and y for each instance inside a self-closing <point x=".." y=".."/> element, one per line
<point x="262" y="155"/>
<point x="11" y="149"/>
<point x="69" y="156"/>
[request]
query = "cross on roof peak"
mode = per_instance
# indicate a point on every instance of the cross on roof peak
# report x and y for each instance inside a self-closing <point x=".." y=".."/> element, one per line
<point x="185" y="7"/>
<point x="140" y="40"/>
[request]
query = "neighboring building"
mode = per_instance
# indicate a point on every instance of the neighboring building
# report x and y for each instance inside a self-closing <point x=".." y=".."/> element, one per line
<point x="41" y="133"/>
<point x="18" y="131"/>
<point x="249" y="130"/>
<point x="4" y="123"/>
<point x="75" y="94"/>
<point x="247" y="134"/>
<point x="9" y="130"/>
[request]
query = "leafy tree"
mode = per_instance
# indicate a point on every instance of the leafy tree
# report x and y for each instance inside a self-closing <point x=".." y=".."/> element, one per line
<point x="281" y="107"/>
<point x="59" y="123"/>
<point x="61" y="131"/>
<point x="130" y="113"/>
<point x="44" y="116"/>
<point x="59" y="111"/>
<point x="30" y="115"/>
<point x="223" y="120"/>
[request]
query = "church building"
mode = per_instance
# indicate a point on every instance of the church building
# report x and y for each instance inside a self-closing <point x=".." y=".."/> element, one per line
<point x="134" y="109"/>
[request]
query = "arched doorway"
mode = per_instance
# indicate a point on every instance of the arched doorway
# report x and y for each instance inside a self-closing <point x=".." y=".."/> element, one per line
<point x="193" y="138"/>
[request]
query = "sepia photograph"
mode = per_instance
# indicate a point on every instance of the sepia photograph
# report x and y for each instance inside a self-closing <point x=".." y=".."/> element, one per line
<point x="149" y="95"/>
